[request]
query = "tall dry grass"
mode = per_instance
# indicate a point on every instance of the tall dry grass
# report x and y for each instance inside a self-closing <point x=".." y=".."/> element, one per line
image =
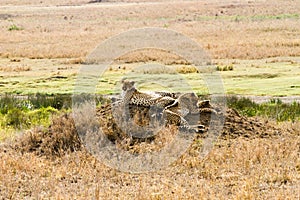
<point x="53" y="164"/>
<point x="235" y="169"/>
<point x="249" y="30"/>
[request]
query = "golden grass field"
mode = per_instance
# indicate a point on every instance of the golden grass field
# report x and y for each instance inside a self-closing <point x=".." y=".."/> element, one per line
<point x="43" y="44"/>
<point x="54" y="37"/>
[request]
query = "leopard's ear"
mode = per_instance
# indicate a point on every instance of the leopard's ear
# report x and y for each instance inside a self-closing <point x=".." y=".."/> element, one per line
<point x="132" y="82"/>
<point x="123" y="80"/>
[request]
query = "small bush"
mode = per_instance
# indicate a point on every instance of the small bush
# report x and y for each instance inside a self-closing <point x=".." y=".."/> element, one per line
<point x="41" y="116"/>
<point x="23" y="119"/>
<point x="224" y="68"/>
<point x="14" y="28"/>
<point x="16" y="118"/>
<point x="58" y="139"/>
<point x="244" y="105"/>
<point x="187" y="70"/>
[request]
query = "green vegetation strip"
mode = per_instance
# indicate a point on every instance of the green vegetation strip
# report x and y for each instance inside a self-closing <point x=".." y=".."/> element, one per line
<point x="274" y="109"/>
<point x="36" y="110"/>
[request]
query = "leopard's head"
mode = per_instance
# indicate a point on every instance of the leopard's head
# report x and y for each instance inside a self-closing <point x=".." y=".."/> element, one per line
<point x="127" y="85"/>
<point x="188" y="100"/>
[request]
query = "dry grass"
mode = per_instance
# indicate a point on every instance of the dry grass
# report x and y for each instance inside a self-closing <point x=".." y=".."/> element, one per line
<point x="235" y="169"/>
<point x="15" y="69"/>
<point x="268" y="29"/>
<point x="244" y="167"/>
<point x="59" y="138"/>
<point x="51" y="163"/>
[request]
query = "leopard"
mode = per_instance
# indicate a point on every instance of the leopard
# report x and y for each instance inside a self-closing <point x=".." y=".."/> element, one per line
<point x="130" y="95"/>
<point x="184" y="105"/>
<point x="174" y="109"/>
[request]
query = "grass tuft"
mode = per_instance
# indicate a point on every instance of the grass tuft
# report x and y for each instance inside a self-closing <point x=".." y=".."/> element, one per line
<point x="14" y="28"/>
<point x="225" y="68"/>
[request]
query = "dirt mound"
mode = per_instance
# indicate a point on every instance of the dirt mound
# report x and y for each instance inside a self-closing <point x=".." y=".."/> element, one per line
<point x="60" y="137"/>
<point x="234" y="125"/>
<point x="139" y="131"/>
<point x="239" y="126"/>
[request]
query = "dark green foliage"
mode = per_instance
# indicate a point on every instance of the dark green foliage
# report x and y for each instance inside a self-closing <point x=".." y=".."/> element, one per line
<point x="16" y="118"/>
<point x="275" y="109"/>
<point x="14" y="27"/>
<point x="21" y="112"/>
<point x="7" y="103"/>
<point x="244" y="105"/>
<point x="23" y="119"/>
<point x="57" y="101"/>
<point x="37" y="101"/>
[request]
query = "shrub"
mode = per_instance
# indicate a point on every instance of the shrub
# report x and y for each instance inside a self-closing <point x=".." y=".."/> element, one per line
<point x="57" y="139"/>
<point x="57" y="101"/>
<point x="224" y="68"/>
<point x="187" y="70"/>
<point x="14" y="28"/>
<point x="274" y="109"/>
<point x="16" y="118"/>
<point x="41" y="116"/>
<point x="7" y="103"/>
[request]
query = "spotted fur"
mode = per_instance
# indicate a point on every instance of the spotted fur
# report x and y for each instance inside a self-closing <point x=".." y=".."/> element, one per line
<point x="131" y="95"/>
<point x="174" y="109"/>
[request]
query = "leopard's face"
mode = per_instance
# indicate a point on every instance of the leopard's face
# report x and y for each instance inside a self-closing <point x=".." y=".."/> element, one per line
<point x="127" y="85"/>
<point x="189" y="100"/>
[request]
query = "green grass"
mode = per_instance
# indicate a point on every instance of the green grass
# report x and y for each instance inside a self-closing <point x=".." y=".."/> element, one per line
<point x="275" y="109"/>
<point x="23" y="112"/>
<point x="245" y="77"/>
<point x="14" y="28"/>
<point x="273" y="77"/>
<point x="36" y="110"/>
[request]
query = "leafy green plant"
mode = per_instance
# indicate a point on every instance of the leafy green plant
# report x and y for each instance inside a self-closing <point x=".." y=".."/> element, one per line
<point x="41" y="116"/>
<point x="274" y="109"/>
<point x="16" y="118"/>
<point x="6" y="103"/>
<point x="14" y="27"/>
<point x="23" y="119"/>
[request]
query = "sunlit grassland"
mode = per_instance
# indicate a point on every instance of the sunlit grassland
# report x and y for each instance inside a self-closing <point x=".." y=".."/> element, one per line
<point x="267" y="28"/>
<point x="252" y="17"/>
<point x="50" y="76"/>
<point x="44" y="43"/>
<point x="272" y="77"/>
<point x="263" y="77"/>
